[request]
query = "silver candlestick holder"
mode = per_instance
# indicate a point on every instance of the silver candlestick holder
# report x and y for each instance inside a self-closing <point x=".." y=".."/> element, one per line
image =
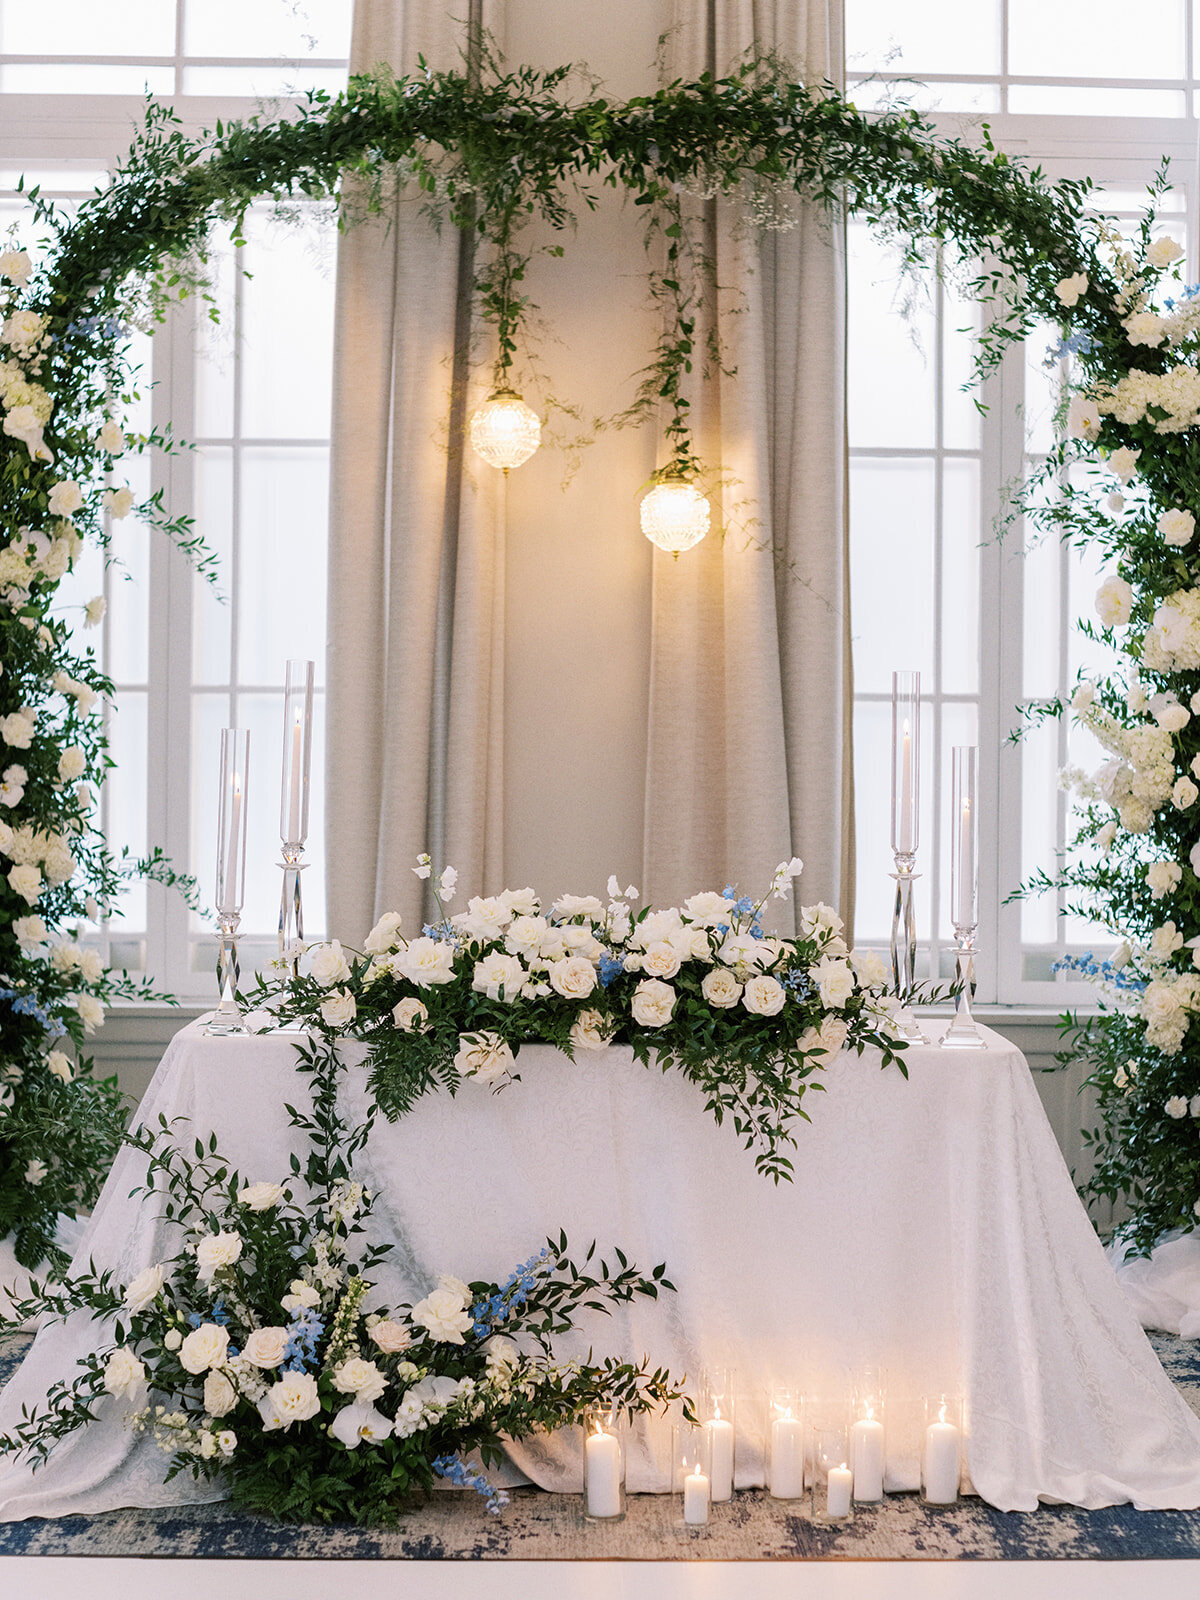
<point x="227" y="1018"/>
<point x="904" y="945"/>
<point x="963" y="1032"/>
<point x="291" y="908"/>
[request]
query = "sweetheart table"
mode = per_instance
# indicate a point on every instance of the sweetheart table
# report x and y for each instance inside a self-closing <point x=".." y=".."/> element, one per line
<point x="932" y="1229"/>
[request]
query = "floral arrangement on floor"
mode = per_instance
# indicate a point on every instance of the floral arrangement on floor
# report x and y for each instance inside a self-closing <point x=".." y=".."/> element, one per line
<point x="703" y="988"/>
<point x="258" y="1352"/>
<point x="1127" y="482"/>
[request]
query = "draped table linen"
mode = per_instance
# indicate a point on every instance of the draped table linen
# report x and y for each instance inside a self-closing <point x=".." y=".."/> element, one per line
<point x="932" y="1228"/>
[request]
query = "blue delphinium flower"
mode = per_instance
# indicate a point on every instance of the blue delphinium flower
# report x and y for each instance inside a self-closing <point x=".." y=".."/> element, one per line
<point x="495" y="1310"/>
<point x="611" y="968"/>
<point x="303" y="1331"/>
<point x="1104" y="971"/>
<point x="456" y="1471"/>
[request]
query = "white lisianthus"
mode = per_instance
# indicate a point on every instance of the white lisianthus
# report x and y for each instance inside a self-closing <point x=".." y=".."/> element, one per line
<point x="72" y="763"/>
<point x="124" y="1374"/>
<point x="484" y="1055"/>
<point x="1122" y="463"/>
<point x="1083" y="418"/>
<point x="1069" y="289"/>
<point x="361" y="1378"/>
<point x="820" y="923"/>
<point x="58" y="1064"/>
<point x="764" y="996"/>
<point x="443" y="1315"/>
<point x="65" y="497"/>
<point x="357" y="1423"/>
<point x="339" y="1009"/>
<point x="574" y="977"/>
<point x="1161" y="252"/>
<point x="1114" y="602"/>
<point x="499" y="976"/>
<point x="410" y="1015"/>
<point x="1176" y="1106"/>
<point x="327" y="964"/>
<point x="1184" y="794"/>
<point x="426" y="961"/>
<point x="653" y="1002"/>
<point x="834" y="979"/>
<point x="261" y="1196"/>
<point x="661" y="960"/>
<point x="36" y="1172"/>
<point x="391" y="1337"/>
<point x="266" y="1347"/>
<point x="203" y="1348"/>
<point x="220" y="1396"/>
<point x="385" y="935"/>
<point x="721" y="988"/>
<point x="1163" y="878"/>
<point x="215" y="1252"/>
<point x="93" y="614"/>
<point x="293" y="1399"/>
<point x="145" y="1288"/>
<point x="589" y="1031"/>
<point x="118" y="502"/>
<point x="1176" y="527"/>
<point x="1145" y="327"/>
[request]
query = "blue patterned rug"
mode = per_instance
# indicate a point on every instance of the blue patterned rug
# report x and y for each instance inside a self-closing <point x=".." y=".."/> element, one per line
<point x="539" y="1526"/>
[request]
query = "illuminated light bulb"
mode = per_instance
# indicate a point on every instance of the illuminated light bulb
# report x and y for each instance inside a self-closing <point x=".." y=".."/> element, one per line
<point x="675" y="515"/>
<point x="505" y="431"/>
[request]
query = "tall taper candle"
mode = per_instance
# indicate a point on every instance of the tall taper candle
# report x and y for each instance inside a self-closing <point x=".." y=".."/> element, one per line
<point x="964" y="835"/>
<point x="297" y="752"/>
<point x="906" y="761"/>
<point x="231" y="820"/>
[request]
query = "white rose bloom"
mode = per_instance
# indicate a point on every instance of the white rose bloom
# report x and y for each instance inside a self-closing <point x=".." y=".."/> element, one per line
<point x="391" y="1337"/>
<point x="574" y="977"/>
<point x="36" y="1172"/>
<point x="203" y="1348"/>
<point x="707" y="909"/>
<point x="266" y="1347"/>
<point x="764" y="996"/>
<point x="124" y="1374"/>
<point x="1184" y="794"/>
<point x="870" y="968"/>
<point x="72" y="763"/>
<point x="1083" y="418"/>
<point x="521" y="902"/>
<point x="94" y="615"/>
<point x="1170" y="715"/>
<point x="1122" y="463"/>
<point x="58" y="1064"/>
<point x="525" y="934"/>
<point x="1161" y="252"/>
<point x="501" y="1352"/>
<point x="220" y="1396"/>
<point x="145" y="1288"/>
<point x="653" y="1002"/>
<point x="1084" y="694"/>
<point x="443" y="1315"/>
<point x="16" y="266"/>
<point x="576" y="905"/>
<point x="293" y="1399"/>
<point x="1163" y="878"/>
<point x="499" y="976"/>
<point x="1176" y="1106"/>
<point x="1176" y="527"/>
<point x="426" y="961"/>
<point x="834" y="979"/>
<point x="261" y="1196"/>
<point x="1165" y="941"/>
<point x="1069" y="289"/>
<point x="832" y="1034"/>
<point x="360" y="1423"/>
<point x="339" y="1009"/>
<point x="721" y="988"/>
<point x="215" y="1252"/>
<point x="111" y="440"/>
<point x="589" y="1031"/>
<point x="483" y="1055"/>
<point x="410" y="1015"/>
<point x="91" y="965"/>
<point x="1114" y="602"/>
<point x="327" y="964"/>
<point x="656" y="926"/>
<point x="65" y="497"/>
<point x="484" y="919"/>
<point x="118" y="502"/>
<point x="30" y="932"/>
<point x="17" y="728"/>
<point x="1145" y="327"/>
<point x="27" y="882"/>
<point x="361" y="1378"/>
<point x="661" y="960"/>
<point x="385" y="935"/>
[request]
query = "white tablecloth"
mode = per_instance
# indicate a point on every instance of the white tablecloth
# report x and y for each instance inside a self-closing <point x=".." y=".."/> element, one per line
<point x="932" y="1229"/>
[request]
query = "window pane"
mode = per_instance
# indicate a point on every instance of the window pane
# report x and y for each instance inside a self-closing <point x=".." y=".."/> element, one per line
<point x="1096" y="39"/>
<point x="215" y="342"/>
<point x="960" y="576"/>
<point x="287" y="328"/>
<point x="892" y="574"/>
<point x="291" y="82"/>
<point x="960" y="389"/>
<point x="77" y="78"/>
<point x="1040" y="802"/>
<point x="1073" y="101"/>
<point x="125" y="790"/>
<point x="53" y="27"/>
<point x="871" y="94"/>
<point x="211" y="609"/>
<point x="891" y="367"/>
<point x="284" y="520"/>
<point x="935" y="36"/>
<point x="287" y="28"/>
<point x="1043" y="614"/>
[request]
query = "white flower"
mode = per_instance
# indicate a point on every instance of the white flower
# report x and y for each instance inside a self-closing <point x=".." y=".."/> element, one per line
<point x="574" y="977"/>
<point x="721" y="988"/>
<point x="483" y="1055"/>
<point x="93" y="615"/>
<point x="834" y="979"/>
<point x="36" y="1172"/>
<point x="118" y="502"/>
<point x="1122" y="463"/>
<point x="27" y="882"/>
<point x="385" y="935"/>
<point x="1163" y="878"/>
<point x="91" y="1010"/>
<point x="653" y="1002"/>
<point x="339" y="1009"/>
<point x="870" y="969"/>
<point x="1069" y="289"/>
<point x="447" y="883"/>
<point x="1165" y="941"/>
<point x="1169" y="715"/>
<point x="1161" y="252"/>
<point x="589" y="1031"/>
<point x="502" y="1353"/>
<point x="204" y="1347"/>
<point x="359" y="1422"/>
<point x="1116" y="502"/>
<point x="123" y="1372"/>
<point x="1176" y="527"/>
<point x="361" y="1378"/>
<point x="58" y="1064"/>
<point x="484" y="919"/>
<point x="30" y="932"/>
<point x="302" y="1297"/>
<point x="426" y="961"/>
<point x="172" y="1339"/>
<point x="1145" y="327"/>
<point x="16" y="266"/>
<point x="17" y="728"/>
<point x="708" y="909"/>
<point x="65" y="497"/>
<point x="568" y="906"/>
<point x="1184" y="794"/>
<point x="293" y="1399"/>
<point x="327" y="964"/>
<point x="499" y="976"/>
<point x="443" y="1314"/>
<point x="1083" y="418"/>
<point x="215" y="1252"/>
<point x="764" y="996"/>
<point x="1114" y="602"/>
<point x="72" y="763"/>
<point x="832" y="1034"/>
<point x="144" y="1289"/>
<point x="1084" y="694"/>
<point x="410" y="1015"/>
<point x="423" y="867"/>
<point x="220" y="1396"/>
<point x="525" y="934"/>
<point x="266" y="1347"/>
<point x="391" y="1337"/>
<point x="261" y="1196"/>
<point x="1176" y="1106"/>
<point x="661" y="960"/>
<point x="111" y="440"/>
<point x="820" y="923"/>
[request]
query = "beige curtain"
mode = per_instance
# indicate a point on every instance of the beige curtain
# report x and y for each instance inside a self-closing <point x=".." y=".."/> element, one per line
<point x="749" y="750"/>
<point x="416" y="550"/>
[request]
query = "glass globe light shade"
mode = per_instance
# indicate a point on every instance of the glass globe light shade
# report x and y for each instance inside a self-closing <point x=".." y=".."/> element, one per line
<point x="675" y="515"/>
<point x="505" y="431"/>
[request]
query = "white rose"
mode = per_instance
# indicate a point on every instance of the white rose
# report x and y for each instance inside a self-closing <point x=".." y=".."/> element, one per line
<point x="358" y="1423"/>
<point x="502" y="1353"/>
<point x="1176" y="1106"/>
<point x="410" y="1015"/>
<point x="443" y="1314"/>
<point x="293" y="1399"/>
<point x="91" y="1010"/>
<point x="661" y="960"/>
<point x="16" y="266"/>
<point x="499" y="976"/>
<point x="91" y="965"/>
<point x="32" y="931"/>
<point x="144" y="1289"/>
<point x="123" y="1372"/>
<point x="361" y="1378"/>
<point x="339" y="1009"/>
<point x="1122" y="463"/>
<point x="1176" y="527"/>
<point x="327" y="964"/>
<point x="589" y="1031"/>
<point x="204" y="1347"/>
<point x="391" y="1337"/>
<point x="574" y="977"/>
<point x="220" y="1396"/>
<point x="1165" y="941"/>
<point x="215" y="1252"/>
<point x="65" y="497"/>
<point x="524" y="935"/>
<point x="27" y="882"/>
<point x="653" y="1002"/>
<point x="1069" y="289"/>
<point x="118" y="502"/>
<point x="484" y="1055"/>
<point x="764" y="996"/>
<point x="1161" y="252"/>
<point x="575" y="905"/>
<point x="484" y="919"/>
<point x="58" y="1064"/>
<point x="111" y="440"/>
<point x="385" y="935"/>
<point x="720" y="988"/>
<point x="72" y="763"/>
<point x="1171" y="716"/>
<point x="1145" y="327"/>
<point x="1163" y="877"/>
<point x="870" y="968"/>
<point x="426" y="961"/>
<point x="832" y="1034"/>
<point x="266" y="1347"/>
<point x="1083" y="418"/>
<point x="1184" y="794"/>
<point x="1114" y="602"/>
<point x="708" y="909"/>
<point x="261" y="1196"/>
<point x="834" y="979"/>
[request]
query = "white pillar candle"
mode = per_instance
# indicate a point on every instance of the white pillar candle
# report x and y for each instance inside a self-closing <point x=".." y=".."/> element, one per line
<point x="695" y="1498"/>
<point x="602" y="1475"/>
<point x="866" y="1458"/>
<point x="787" y="1458"/>
<point x="837" y="1499"/>
<point x="941" y="1463"/>
<point x="964" y="912"/>
<point x="297" y="780"/>
<point x="720" y="1456"/>
<point x="905" y="835"/>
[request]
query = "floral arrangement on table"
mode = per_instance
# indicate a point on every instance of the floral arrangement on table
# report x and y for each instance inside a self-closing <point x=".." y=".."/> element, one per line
<point x="259" y="1353"/>
<point x="704" y="988"/>
<point x="1127" y="479"/>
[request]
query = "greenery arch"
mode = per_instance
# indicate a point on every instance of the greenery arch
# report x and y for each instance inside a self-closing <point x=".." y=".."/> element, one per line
<point x="491" y="151"/>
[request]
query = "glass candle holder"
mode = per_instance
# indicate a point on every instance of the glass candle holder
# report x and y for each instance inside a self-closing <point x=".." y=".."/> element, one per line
<point x="868" y="1451"/>
<point x="832" y="1479"/>
<point x="691" y="1481"/>
<point x="785" y="1443"/>
<point x="941" y="1458"/>
<point x="718" y="1415"/>
<point x="603" y="1465"/>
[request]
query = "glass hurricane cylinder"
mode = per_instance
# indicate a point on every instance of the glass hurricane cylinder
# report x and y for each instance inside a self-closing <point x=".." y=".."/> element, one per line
<point x="293" y="805"/>
<point x="603" y="1465"/>
<point x="906" y="808"/>
<point x="941" y="1457"/>
<point x="963" y="1034"/>
<point x="691" y="1481"/>
<point x="231" y="872"/>
<point x="868" y="1437"/>
<point x="832" y="1479"/>
<point x="785" y="1443"/>
<point x="719" y="1419"/>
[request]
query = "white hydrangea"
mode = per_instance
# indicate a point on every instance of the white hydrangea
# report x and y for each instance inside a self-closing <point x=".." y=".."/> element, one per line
<point x="1175" y="393"/>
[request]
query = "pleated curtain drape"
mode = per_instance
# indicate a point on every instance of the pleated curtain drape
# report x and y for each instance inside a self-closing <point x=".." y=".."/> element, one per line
<point x="747" y="745"/>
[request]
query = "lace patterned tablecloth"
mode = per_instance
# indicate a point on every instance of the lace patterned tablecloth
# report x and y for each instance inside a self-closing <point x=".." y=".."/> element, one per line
<point x="932" y="1228"/>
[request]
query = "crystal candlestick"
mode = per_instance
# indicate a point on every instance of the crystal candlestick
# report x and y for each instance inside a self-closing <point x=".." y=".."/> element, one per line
<point x="231" y="872"/>
<point x="963" y="1034"/>
<point x="906" y="796"/>
<point x="293" y="806"/>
